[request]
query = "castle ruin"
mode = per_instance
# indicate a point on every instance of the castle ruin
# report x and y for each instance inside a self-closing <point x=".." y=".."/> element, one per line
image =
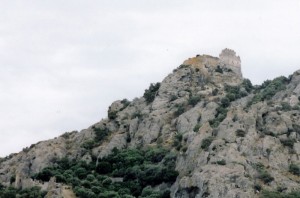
<point x="229" y="59"/>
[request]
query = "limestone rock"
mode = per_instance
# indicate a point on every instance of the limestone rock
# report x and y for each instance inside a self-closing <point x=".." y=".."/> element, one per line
<point x="188" y="103"/>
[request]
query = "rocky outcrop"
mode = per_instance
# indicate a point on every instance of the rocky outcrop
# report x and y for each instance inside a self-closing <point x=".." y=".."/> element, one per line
<point x="228" y="141"/>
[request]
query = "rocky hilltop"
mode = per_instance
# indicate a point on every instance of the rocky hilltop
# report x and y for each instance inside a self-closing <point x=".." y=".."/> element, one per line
<point x="227" y="138"/>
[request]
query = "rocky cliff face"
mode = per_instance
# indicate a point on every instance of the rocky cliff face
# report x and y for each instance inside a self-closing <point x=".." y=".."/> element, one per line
<point x="231" y="139"/>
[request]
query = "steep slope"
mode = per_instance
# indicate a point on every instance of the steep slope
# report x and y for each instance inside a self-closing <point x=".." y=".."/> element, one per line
<point x="231" y="139"/>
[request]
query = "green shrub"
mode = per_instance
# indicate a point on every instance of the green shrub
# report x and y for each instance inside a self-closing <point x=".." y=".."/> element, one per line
<point x="247" y="85"/>
<point x="225" y="102"/>
<point x="276" y="194"/>
<point x="286" y="106"/>
<point x="193" y="100"/>
<point x="183" y="66"/>
<point x="45" y="174"/>
<point x="173" y="97"/>
<point x="84" y="193"/>
<point x="221" y="162"/>
<point x="12" y="179"/>
<point x="112" y="114"/>
<point x="287" y="142"/>
<point x="232" y="89"/>
<point x="177" y="141"/>
<point x="265" y="177"/>
<point x="294" y="169"/>
<point x="206" y="143"/>
<point x="149" y="192"/>
<point x="220" y="116"/>
<point x="101" y="133"/>
<point x="234" y="92"/>
<point x="257" y="187"/>
<point x="219" y="69"/>
<point x="136" y="114"/>
<point x="150" y="93"/>
<point x="197" y="127"/>
<point x="89" y="144"/>
<point x="230" y="97"/>
<point x="180" y="109"/>
<point x="138" y="168"/>
<point x="103" y="168"/>
<point x="155" y="155"/>
<point x="270" y="194"/>
<point x="215" y="92"/>
<point x="125" y="103"/>
<point x="268" y="89"/>
<point x="11" y="192"/>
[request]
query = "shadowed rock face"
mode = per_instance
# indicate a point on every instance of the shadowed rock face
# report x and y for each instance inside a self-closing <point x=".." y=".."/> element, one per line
<point x="226" y="149"/>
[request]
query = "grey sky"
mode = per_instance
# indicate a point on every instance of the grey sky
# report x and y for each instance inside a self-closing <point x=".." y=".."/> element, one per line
<point x="63" y="62"/>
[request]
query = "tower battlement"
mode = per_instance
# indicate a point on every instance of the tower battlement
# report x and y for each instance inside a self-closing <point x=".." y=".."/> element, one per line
<point x="229" y="59"/>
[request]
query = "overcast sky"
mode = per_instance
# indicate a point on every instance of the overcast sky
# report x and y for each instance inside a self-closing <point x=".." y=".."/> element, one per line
<point x="62" y="63"/>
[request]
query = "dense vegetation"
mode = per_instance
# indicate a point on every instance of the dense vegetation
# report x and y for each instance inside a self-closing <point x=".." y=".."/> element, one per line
<point x="263" y="175"/>
<point x="268" y="89"/>
<point x="10" y="192"/>
<point x="124" y="173"/>
<point x="150" y="93"/>
<point x="232" y="93"/>
<point x="101" y="133"/>
<point x="278" y="194"/>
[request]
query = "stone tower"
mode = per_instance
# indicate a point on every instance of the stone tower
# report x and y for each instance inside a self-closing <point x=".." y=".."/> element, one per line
<point x="229" y="59"/>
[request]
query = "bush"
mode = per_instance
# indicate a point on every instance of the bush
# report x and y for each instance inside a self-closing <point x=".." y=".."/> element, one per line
<point x="148" y="192"/>
<point x="221" y="162"/>
<point x="89" y="144"/>
<point x="270" y="194"/>
<point x="183" y="66"/>
<point x="150" y="93"/>
<point x="101" y="133"/>
<point x="193" y="100"/>
<point x="265" y="176"/>
<point x="220" y="116"/>
<point x="287" y="142"/>
<point x="276" y="194"/>
<point x="103" y="168"/>
<point x="206" y="143"/>
<point x="180" y="109"/>
<point x="12" y="179"/>
<point x="286" y="106"/>
<point x="112" y="114"/>
<point x="10" y="192"/>
<point x="225" y="102"/>
<point x="268" y="89"/>
<point x="125" y="103"/>
<point x="247" y="85"/>
<point x="173" y="97"/>
<point x="136" y="114"/>
<point x="84" y="193"/>
<point x="138" y="168"/>
<point x="45" y="174"/>
<point x="257" y="187"/>
<point x="155" y="155"/>
<point x="215" y="92"/>
<point x="197" y="127"/>
<point x="177" y="141"/>
<point x="294" y="169"/>
<point x="235" y="92"/>
<point x="219" y="69"/>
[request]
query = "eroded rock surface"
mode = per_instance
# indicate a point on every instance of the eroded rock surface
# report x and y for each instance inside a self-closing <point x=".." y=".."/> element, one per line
<point x="249" y="138"/>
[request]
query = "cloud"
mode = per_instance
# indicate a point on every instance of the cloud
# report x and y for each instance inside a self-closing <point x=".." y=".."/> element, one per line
<point x="63" y="62"/>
